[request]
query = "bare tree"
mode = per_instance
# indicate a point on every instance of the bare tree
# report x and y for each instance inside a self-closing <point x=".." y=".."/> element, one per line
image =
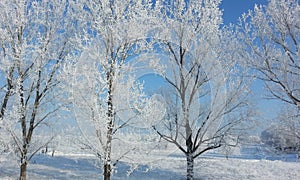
<point x="33" y="45"/>
<point x="272" y="34"/>
<point x="207" y="105"/>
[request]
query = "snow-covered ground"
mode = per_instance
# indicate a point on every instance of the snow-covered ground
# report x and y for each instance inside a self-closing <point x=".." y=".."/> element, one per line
<point x="81" y="166"/>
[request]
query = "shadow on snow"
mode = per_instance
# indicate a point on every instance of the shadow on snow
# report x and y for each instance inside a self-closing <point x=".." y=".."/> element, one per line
<point x="85" y="167"/>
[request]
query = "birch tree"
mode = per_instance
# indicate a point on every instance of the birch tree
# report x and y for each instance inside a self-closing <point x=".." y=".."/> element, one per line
<point x="208" y="92"/>
<point x="33" y="45"/>
<point x="106" y="94"/>
<point x="272" y="34"/>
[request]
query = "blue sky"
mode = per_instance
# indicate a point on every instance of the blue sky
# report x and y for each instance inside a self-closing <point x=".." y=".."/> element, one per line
<point x="233" y="9"/>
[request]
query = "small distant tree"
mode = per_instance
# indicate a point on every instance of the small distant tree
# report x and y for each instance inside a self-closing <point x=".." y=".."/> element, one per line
<point x="272" y="35"/>
<point x="207" y="92"/>
<point x="32" y="47"/>
<point x="283" y="135"/>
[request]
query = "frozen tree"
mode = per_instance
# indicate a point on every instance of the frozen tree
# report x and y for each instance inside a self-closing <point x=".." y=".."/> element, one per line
<point x="272" y="35"/>
<point x="106" y="95"/>
<point x="32" y="47"/>
<point x="207" y="96"/>
<point x="288" y="122"/>
<point x="283" y="135"/>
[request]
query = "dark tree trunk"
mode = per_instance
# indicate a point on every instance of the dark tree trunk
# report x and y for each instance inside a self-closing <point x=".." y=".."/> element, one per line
<point x="23" y="170"/>
<point x="107" y="171"/>
<point x="110" y="116"/>
<point x="8" y="93"/>
<point x="189" y="167"/>
<point x="4" y="104"/>
<point x="189" y="158"/>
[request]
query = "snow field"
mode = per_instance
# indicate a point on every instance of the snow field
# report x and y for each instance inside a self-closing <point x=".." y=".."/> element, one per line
<point x="83" y="166"/>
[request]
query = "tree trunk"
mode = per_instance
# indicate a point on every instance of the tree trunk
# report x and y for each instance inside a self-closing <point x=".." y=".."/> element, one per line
<point x="189" y="167"/>
<point x="110" y="125"/>
<point x="23" y="170"/>
<point x="189" y="154"/>
<point x="107" y="171"/>
<point x="8" y="93"/>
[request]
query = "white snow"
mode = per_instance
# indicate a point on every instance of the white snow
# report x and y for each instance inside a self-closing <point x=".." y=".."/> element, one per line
<point x="84" y="166"/>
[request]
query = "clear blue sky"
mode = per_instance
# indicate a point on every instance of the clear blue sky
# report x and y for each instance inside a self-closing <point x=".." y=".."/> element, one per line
<point x="233" y="9"/>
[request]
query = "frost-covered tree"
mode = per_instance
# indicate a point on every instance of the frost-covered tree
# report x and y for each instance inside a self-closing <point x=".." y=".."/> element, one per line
<point x="288" y="121"/>
<point x="272" y="35"/>
<point x="207" y="96"/>
<point x="106" y="95"/>
<point x="32" y="46"/>
<point x="284" y="135"/>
